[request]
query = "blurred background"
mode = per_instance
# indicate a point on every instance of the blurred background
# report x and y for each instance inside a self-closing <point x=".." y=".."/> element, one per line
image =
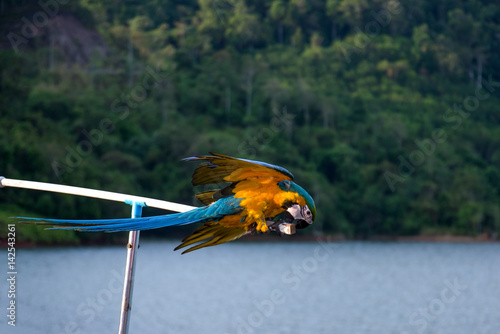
<point x="385" y="111"/>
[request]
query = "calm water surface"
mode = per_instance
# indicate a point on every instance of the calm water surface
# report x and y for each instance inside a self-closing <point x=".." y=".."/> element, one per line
<point x="273" y="288"/>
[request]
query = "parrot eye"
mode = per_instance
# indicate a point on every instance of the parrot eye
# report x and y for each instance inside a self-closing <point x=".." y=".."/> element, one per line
<point x="285" y="184"/>
<point x="307" y="212"/>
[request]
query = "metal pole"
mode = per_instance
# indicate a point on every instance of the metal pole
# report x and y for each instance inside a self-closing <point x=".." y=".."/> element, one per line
<point x="108" y="195"/>
<point x="132" y="246"/>
<point x="133" y="239"/>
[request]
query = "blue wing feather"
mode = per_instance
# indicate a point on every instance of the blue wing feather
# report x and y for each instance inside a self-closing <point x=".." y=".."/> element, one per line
<point x="276" y="168"/>
<point x="213" y="212"/>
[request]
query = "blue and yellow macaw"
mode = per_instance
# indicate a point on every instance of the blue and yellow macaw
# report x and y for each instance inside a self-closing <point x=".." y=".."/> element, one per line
<point x="258" y="197"/>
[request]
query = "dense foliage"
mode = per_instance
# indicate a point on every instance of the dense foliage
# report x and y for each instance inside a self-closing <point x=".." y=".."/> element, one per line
<point x="386" y="111"/>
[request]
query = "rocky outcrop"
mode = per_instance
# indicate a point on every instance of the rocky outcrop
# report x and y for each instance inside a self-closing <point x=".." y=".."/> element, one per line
<point x="63" y="34"/>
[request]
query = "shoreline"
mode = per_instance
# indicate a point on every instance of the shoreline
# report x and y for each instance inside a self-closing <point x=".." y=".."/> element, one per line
<point x="444" y="238"/>
<point x="275" y="238"/>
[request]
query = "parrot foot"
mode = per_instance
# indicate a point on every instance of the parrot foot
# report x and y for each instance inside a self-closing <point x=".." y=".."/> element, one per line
<point x="290" y="220"/>
<point x="281" y="226"/>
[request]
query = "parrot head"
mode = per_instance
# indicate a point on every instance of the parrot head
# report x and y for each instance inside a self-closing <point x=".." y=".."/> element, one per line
<point x="300" y="216"/>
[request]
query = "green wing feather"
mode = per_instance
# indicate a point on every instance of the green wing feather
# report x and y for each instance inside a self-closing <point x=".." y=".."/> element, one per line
<point x="218" y="166"/>
<point x="206" y="197"/>
<point x="211" y="234"/>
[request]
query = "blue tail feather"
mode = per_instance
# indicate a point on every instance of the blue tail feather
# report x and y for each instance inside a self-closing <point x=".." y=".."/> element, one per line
<point x="116" y="225"/>
<point x="214" y="212"/>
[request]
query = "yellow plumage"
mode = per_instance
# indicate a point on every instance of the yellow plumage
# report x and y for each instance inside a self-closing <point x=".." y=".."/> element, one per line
<point x="255" y="183"/>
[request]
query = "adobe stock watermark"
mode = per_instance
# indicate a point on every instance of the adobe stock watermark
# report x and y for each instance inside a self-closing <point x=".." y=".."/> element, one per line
<point x="419" y="320"/>
<point x="426" y="147"/>
<point x="381" y="19"/>
<point x="257" y="142"/>
<point x="120" y="109"/>
<point x="253" y="144"/>
<point x="30" y="27"/>
<point x="222" y="8"/>
<point x="89" y="309"/>
<point x="291" y="280"/>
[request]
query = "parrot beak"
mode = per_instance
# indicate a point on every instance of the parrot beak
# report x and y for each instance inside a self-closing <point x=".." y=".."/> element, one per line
<point x="295" y="217"/>
<point x="301" y="216"/>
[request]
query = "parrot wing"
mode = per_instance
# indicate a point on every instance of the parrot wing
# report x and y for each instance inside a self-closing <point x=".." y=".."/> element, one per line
<point x="221" y="168"/>
<point x="247" y="180"/>
<point x="215" y="233"/>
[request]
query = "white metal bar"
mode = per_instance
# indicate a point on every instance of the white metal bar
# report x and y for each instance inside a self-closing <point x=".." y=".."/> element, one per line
<point x="132" y="246"/>
<point x="112" y="196"/>
<point x="133" y="241"/>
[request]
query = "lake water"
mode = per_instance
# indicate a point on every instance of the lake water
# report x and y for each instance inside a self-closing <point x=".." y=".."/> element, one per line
<point x="280" y="287"/>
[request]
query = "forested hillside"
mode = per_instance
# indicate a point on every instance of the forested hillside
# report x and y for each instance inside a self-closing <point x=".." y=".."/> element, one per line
<point x="386" y="111"/>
